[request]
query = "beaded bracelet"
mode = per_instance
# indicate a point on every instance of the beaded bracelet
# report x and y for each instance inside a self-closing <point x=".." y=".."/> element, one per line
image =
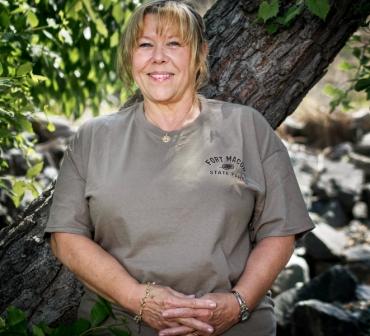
<point x="139" y="317"/>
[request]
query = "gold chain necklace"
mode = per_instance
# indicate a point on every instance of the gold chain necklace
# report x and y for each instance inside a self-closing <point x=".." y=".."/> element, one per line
<point x="166" y="138"/>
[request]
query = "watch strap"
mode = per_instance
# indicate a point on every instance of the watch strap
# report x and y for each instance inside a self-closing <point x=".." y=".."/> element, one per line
<point x="244" y="310"/>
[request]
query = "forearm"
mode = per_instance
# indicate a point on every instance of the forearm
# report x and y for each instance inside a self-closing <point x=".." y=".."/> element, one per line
<point x="265" y="262"/>
<point x="97" y="269"/>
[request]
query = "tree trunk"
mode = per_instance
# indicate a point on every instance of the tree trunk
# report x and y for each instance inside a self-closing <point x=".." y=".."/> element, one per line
<point x="248" y="66"/>
<point x="273" y="73"/>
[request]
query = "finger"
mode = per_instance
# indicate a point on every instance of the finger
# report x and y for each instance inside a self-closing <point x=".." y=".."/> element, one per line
<point x="187" y="312"/>
<point x="181" y="330"/>
<point x="196" y="324"/>
<point x="179" y="294"/>
<point x="175" y="302"/>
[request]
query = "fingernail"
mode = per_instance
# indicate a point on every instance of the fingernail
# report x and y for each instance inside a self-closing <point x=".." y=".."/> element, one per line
<point x="212" y="304"/>
<point x="210" y="330"/>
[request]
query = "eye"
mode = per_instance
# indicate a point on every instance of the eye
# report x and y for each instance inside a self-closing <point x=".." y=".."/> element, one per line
<point x="144" y="45"/>
<point x="174" y="44"/>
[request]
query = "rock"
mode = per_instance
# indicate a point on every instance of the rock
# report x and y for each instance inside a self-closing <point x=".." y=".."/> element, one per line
<point x="295" y="272"/>
<point x="363" y="293"/>
<point x="63" y="128"/>
<point x="363" y="146"/>
<point x="337" y="284"/>
<point x="341" y="180"/>
<point x="16" y="162"/>
<point x="360" y="210"/>
<point x="294" y="127"/>
<point x="332" y="211"/>
<point x="358" y="233"/>
<point x="337" y="152"/>
<point x="361" y="162"/>
<point x="50" y="173"/>
<point x="357" y="253"/>
<point x="365" y="194"/>
<point x="313" y="317"/>
<point x="360" y="122"/>
<point x="324" y="242"/>
<point x="304" y="169"/>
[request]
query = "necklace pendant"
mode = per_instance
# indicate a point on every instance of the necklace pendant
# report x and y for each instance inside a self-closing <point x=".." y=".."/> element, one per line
<point x="166" y="138"/>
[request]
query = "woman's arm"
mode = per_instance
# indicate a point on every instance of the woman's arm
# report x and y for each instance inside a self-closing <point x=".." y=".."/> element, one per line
<point x="102" y="273"/>
<point x="265" y="262"/>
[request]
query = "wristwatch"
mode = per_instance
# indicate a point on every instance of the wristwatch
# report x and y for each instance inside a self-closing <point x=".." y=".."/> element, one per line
<point x="244" y="311"/>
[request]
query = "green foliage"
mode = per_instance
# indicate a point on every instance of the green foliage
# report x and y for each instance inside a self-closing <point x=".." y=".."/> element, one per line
<point x="358" y="68"/>
<point x="55" y="57"/>
<point x="274" y="16"/>
<point x="15" y="324"/>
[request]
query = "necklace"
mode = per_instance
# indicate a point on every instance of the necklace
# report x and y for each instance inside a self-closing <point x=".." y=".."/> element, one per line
<point x="166" y="138"/>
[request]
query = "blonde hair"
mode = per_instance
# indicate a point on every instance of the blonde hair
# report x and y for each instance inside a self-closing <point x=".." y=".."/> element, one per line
<point x="170" y="13"/>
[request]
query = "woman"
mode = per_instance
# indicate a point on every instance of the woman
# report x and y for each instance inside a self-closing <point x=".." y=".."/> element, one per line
<point x="194" y="194"/>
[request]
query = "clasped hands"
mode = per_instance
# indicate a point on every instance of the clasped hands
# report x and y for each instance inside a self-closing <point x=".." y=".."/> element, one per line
<point x="173" y="313"/>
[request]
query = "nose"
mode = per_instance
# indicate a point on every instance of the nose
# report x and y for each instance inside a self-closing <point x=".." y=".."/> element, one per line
<point x="159" y="54"/>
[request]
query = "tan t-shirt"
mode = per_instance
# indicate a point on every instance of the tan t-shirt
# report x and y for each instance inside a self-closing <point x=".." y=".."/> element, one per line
<point x="183" y="213"/>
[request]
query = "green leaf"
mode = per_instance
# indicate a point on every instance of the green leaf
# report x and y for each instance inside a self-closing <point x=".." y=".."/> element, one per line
<point x="271" y="27"/>
<point x="362" y="84"/>
<point x="32" y="19"/>
<point x="290" y="15"/>
<point x="65" y="36"/>
<point x="268" y="10"/>
<point x="80" y="326"/>
<point x="35" y="170"/>
<point x="24" y="69"/>
<point x="15" y="315"/>
<point x="356" y="52"/>
<point x="118" y="12"/>
<point x="100" y="312"/>
<point x="38" y="78"/>
<point x="89" y="9"/>
<point x="4" y="19"/>
<point x="36" y="331"/>
<point x="119" y="332"/>
<point x="50" y="127"/>
<point x="319" y="8"/>
<point x="101" y="28"/>
<point x="1" y="69"/>
<point x="346" y="66"/>
<point x="114" y="39"/>
<point x="26" y="125"/>
<point x="2" y="322"/>
<point x="332" y="91"/>
<point x="45" y="328"/>
<point x="74" y="55"/>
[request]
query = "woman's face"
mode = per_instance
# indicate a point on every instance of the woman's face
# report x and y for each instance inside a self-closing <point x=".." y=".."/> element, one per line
<point x="161" y="65"/>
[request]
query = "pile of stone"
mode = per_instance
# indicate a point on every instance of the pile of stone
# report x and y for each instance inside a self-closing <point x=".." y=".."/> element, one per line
<point x="324" y="289"/>
<point x="50" y="146"/>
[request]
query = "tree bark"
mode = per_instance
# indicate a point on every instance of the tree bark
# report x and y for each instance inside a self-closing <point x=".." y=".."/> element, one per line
<point x="269" y="72"/>
<point x="273" y="73"/>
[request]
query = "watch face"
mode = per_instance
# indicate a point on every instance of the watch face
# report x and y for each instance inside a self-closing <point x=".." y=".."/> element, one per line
<point x="244" y="316"/>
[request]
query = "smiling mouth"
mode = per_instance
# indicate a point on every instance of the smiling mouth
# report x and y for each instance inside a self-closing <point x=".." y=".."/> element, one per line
<point x="160" y="76"/>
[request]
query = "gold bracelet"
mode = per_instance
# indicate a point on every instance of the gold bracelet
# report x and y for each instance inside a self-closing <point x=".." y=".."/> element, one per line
<point x="139" y="317"/>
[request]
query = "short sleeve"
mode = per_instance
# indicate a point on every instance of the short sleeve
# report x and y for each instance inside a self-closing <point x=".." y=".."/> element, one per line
<point x="69" y="211"/>
<point x="280" y="209"/>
